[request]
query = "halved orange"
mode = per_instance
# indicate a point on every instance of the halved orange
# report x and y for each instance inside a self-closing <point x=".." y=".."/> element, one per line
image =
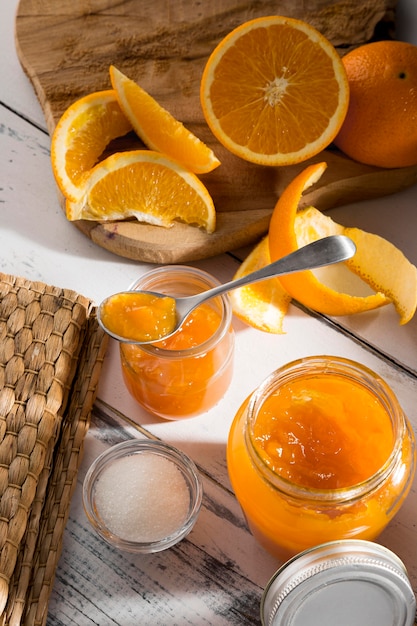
<point x="393" y="281"/>
<point x="274" y="91"/>
<point x="264" y="304"/>
<point x="81" y="135"/>
<point x="158" y="129"/>
<point x="146" y="185"/>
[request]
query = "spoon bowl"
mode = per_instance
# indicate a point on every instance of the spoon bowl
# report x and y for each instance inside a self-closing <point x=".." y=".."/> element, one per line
<point x="173" y="312"/>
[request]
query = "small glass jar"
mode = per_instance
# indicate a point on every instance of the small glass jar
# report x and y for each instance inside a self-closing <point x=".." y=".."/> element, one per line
<point x="288" y="512"/>
<point x="189" y="373"/>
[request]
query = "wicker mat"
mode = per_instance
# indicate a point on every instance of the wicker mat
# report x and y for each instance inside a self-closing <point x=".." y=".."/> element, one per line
<point x="51" y="353"/>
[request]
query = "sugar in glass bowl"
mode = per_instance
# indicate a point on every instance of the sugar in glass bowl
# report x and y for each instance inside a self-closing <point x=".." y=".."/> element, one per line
<point x="142" y="496"/>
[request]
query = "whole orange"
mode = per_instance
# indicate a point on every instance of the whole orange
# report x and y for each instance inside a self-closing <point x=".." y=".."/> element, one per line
<point x="380" y="127"/>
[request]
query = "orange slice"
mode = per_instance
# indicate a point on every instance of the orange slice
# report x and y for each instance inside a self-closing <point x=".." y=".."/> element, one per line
<point x="274" y="91"/>
<point x="377" y="262"/>
<point x="80" y="137"/>
<point x="146" y="185"/>
<point x="158" y="129"/>
<point x="264" y="304"/>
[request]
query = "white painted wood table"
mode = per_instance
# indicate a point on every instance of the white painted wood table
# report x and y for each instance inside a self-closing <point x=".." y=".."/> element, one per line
<point x="215" y="576"/>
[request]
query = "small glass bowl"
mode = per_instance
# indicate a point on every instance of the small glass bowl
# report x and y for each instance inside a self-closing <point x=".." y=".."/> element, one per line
<point x="102" y="485"/>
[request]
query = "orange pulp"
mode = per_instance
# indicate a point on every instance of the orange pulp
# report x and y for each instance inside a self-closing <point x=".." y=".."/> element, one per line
<point x="316" y="446"/>
<point x="316" y="434"/>
<point x="185" y="374"/>
<point x="139" y="316"/>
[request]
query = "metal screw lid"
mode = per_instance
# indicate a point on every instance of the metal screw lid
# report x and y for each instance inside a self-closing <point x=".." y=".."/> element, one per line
<point x="343" y="583"/>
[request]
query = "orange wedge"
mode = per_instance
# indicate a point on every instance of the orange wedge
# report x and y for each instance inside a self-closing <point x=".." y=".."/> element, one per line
<point x="158" y="129"/>
<point x="274" y="91"/>
<point x="377" y="262"/>
<point x="262" y="305"/>
<point x="146" y="185"/>
<point x="80" y="137"/>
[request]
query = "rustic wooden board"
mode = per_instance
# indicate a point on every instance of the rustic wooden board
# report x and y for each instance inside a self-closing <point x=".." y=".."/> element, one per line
<point x="66" y="47"/>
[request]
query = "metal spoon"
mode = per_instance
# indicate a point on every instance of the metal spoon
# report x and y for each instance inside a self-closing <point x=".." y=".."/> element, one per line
<point x="325" y="251"/>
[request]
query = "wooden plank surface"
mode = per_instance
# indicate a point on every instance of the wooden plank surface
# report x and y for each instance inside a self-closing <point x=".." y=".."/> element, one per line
<point x="95" y="585"/>
<point x="66" y="48"/>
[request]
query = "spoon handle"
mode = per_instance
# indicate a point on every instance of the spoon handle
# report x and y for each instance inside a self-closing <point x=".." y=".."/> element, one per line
<point x="325" y="251"/>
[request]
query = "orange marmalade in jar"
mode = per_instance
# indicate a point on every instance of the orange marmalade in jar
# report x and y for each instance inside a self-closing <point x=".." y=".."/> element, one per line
<point x="321" y="451"/>
<point x="189" y="372"/>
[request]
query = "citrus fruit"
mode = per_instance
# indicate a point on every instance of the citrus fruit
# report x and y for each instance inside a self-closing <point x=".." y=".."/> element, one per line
<point x="264" y="304"/>
<point x="81" y="135"/>
<point x="394" y="281"/>
<point x="380" y="126"/>
<point x="146" y="185"/>
<point x="158" y="129"/>
<point x="274" y="91"/>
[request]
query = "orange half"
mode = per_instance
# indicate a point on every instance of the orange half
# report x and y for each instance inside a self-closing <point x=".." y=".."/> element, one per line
<point x="274" y="91"/>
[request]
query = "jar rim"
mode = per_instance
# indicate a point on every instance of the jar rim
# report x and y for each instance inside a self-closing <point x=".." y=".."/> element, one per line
<point x="327" y="364"/>
<point x="207" y="280"/>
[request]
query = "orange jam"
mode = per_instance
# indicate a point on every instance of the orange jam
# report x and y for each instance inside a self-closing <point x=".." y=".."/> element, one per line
<point x="188" y="373"/>
<point x="316" y="433"/>
<point x="321" y="451"/>
<point x="139" y="316"/>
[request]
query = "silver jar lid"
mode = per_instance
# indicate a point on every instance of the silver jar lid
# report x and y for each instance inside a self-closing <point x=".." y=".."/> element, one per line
<point x="343" y="583"/>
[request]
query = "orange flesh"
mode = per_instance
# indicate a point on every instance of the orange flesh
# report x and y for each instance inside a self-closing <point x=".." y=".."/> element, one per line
<point x="334" y="442"/>
<point x="273" y="116"/>
<point x="318" y="438"/>
<point x="274" y="91"/>
<point x="139" y="316"/>
<point x="181" y="385"/>
<point x="89" y="139"/>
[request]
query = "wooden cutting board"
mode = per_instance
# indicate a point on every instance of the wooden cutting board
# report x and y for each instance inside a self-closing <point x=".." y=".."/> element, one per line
<point x="66" y="47"/>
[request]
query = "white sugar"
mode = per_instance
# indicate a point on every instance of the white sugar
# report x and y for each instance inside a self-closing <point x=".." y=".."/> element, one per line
<point x="142" y="497"/>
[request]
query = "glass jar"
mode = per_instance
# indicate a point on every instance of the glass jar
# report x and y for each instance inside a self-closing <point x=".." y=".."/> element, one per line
<point x="321" y="451"/>
<point x="188" y="373"/>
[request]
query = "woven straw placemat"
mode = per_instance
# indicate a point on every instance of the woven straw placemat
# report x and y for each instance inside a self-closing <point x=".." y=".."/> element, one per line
<point x="51" y="353"/>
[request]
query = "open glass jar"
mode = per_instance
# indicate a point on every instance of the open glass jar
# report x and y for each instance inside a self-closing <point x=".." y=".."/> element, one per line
<point x="188" y="373"/>
<point x="321" y="451"/>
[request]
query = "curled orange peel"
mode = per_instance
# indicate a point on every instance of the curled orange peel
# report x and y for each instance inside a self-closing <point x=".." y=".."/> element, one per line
<point x="394" y="282"/>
